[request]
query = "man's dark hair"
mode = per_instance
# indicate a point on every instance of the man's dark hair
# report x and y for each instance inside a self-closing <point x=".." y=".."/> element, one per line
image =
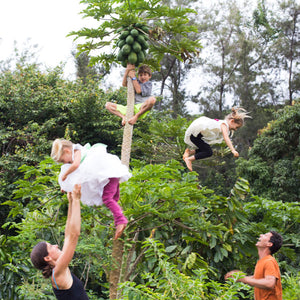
<point x="276" y="239"/>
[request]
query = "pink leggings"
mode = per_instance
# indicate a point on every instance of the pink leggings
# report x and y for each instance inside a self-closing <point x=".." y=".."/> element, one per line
<point x="110" y="197"/>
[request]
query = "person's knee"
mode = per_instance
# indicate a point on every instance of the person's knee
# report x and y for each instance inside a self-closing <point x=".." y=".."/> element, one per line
<point x="209" y="152"/>
<point x="151" y="101"/>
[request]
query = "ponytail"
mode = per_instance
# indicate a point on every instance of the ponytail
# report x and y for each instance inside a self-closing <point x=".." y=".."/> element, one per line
<point x="238" y="114"/>
<point x="47" y="271"/>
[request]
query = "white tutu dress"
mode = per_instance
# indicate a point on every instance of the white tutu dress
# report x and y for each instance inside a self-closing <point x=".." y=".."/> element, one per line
<point x="95" y="169"/>
<point x="209" y="128"/>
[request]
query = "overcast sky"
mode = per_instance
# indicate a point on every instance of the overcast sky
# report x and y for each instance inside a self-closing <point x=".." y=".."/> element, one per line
<point x="46" y="23"/>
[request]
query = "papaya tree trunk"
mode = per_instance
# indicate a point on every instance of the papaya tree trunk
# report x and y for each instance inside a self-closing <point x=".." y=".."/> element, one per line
<point x="128" y="129"/>
<point x="118" y="245"/>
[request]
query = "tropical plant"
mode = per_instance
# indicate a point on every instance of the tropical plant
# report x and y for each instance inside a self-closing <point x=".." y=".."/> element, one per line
<point x="273" y="165"/>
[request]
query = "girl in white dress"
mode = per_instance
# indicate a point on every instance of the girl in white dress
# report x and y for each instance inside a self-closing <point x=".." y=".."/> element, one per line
<point x="98" y="172"/>
<point x="204" y="132"/>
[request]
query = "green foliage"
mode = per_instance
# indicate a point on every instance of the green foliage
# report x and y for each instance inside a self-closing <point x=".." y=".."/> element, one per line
<point x="159" y="138"/>
<point x="273" y="165"/>
<point x="167" y="282"/>
<point x="12" y="269"/>
<point x="166" y="24"/>
<point x="197" y="229"/>
<point x="261" y="22"/>
<point x="291" y="286"/>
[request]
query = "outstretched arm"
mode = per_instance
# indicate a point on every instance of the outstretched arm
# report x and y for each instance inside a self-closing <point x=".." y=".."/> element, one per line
<point x="263" y="283"/>
<point x="75" y="164"/>
<point x="72" y="230"/>
<point x="227" y="140"/>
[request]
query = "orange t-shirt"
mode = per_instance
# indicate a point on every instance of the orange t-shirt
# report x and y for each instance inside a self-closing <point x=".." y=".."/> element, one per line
<point x="268" y="266"/>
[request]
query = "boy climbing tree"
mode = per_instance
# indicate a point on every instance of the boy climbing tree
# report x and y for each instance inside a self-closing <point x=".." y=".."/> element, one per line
<point x="143" y="99"/>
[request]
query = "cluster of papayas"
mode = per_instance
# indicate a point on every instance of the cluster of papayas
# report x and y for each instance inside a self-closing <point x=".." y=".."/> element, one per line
<point x="132" y="44"/>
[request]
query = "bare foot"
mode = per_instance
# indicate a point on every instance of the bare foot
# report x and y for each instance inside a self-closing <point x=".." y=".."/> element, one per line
<point x="133" y="120"/>
<point x="188" y="163"/>
<point x="119" y="231"/>
<point x="186" y="153"/>
<point x="124" y="121"/>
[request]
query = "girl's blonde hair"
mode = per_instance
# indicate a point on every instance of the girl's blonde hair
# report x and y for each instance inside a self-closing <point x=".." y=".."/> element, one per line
<point x="58" y="147"/>
<point x="238" y="114"/>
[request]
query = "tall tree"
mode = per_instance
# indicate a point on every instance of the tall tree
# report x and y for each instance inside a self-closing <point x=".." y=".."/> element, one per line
<point x="287" y="46"/>
<point x="278" y="28"/>
<point x="220" y="30"/>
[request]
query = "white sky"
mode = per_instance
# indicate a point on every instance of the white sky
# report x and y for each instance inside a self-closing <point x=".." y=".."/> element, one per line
<point x="46" y="23"/>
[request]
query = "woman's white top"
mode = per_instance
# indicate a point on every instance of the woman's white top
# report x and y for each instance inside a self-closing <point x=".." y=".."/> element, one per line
<point x="209" y="128"/>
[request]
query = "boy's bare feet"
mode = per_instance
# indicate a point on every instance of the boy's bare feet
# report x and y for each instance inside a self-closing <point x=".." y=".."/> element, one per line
<point x="133" y="120"/>
<point x="188" y="163"/>
<point x="119" y="230"/>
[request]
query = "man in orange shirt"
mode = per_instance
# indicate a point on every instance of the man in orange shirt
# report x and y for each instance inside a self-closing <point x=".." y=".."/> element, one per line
<point x="266" y="279"/>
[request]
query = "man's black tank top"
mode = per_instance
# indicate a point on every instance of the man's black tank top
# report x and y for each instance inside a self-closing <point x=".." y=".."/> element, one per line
<point x="75" y="292"/>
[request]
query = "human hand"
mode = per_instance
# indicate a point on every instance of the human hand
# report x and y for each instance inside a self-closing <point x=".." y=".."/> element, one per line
<point x="70" y="197"/>
<point x="130" y="67"/>
<point x="64" y="177"/>
<point x="235" y="153"/>
<point x="131" y="73"/>
<point x="230" y="274"/>
<point x="76" y="193"/>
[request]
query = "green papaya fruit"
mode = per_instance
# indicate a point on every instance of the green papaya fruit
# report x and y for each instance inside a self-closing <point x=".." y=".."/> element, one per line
<point x="140" y="38"/>
<point x="121" y="43"/>
<point x="134" y="33"/>
<point x="124" y="34"/>
<point x="129" y="40"/>
<point x="136" y="47"/>
<point x="141" y="56"/>
<point x="145" y="46"/>
<point x="132" y="58"/>
<point x="145" y="29"/>
<point x="126" y="49"/>
<point x="124" y="63"/>
<point x="120" y="56"/>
